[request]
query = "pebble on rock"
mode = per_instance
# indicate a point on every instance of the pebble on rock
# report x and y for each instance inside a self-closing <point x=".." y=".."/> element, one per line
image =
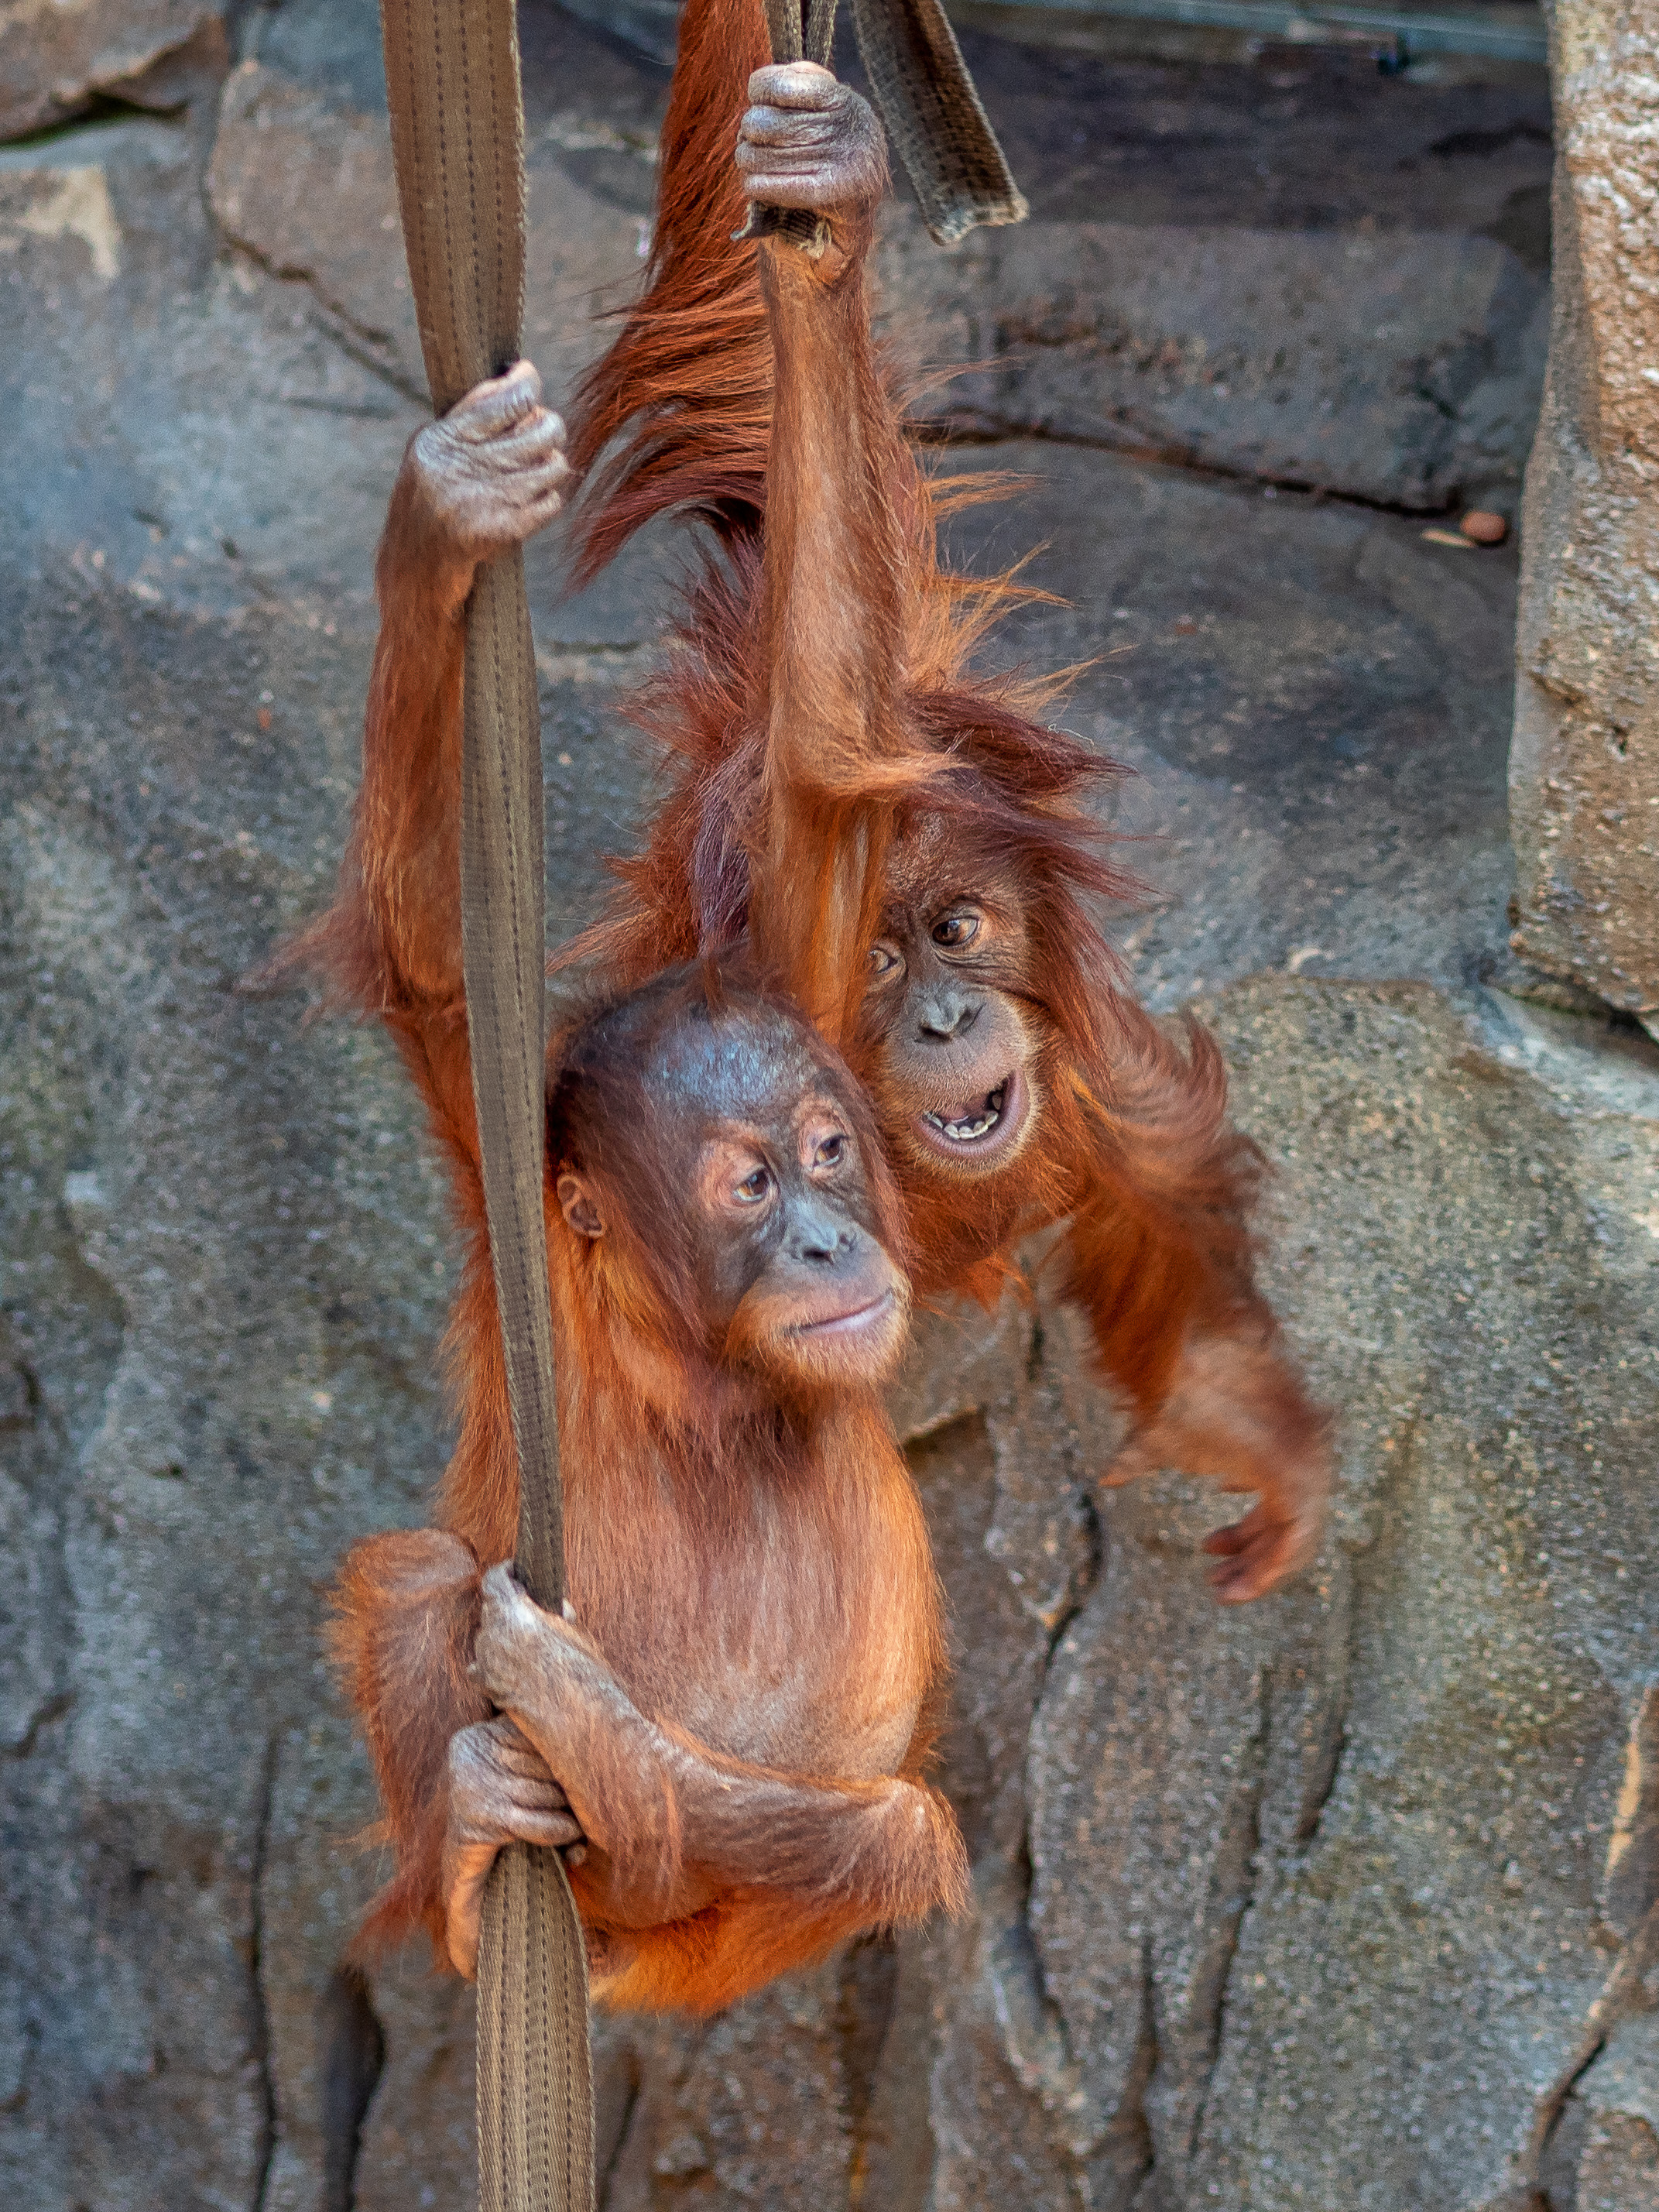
<point x="1482" y="527"/>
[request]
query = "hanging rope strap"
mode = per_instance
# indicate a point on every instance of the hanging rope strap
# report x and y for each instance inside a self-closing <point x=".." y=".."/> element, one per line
<point x="792" y="41"/>
<point x="451" y="72"/>
<point x="795" y="39"/>
<point x="932" y="115"/>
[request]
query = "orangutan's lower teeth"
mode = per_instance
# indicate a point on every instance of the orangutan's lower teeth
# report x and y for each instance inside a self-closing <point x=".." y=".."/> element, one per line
<point x="965" y="1132"/>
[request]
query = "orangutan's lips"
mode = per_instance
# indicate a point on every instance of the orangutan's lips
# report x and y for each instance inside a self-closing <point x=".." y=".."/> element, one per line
<point x="850" y="1324"/>
<point x="975" y="1121"/>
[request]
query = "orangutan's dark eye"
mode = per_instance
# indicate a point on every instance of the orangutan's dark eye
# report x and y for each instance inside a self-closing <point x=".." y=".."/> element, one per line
<point x="754" y="1187"/>
<point x="884" y="958"/>
<point x="957" y="930"/>
<point x="831" y="1152"/>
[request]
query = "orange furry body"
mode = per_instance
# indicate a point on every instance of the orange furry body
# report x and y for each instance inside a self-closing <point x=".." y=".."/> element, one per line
<point x="770" y="1596"/>
<point x="752" y="1564"/>
<point x="755" y="1570"/>
<point x="740" y="394"/>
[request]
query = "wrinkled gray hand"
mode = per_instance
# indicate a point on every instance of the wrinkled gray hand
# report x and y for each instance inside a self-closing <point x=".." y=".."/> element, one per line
<point x="500" y="1792"/>
<point x="807" y="141"/>
<point x="491" y="473"/>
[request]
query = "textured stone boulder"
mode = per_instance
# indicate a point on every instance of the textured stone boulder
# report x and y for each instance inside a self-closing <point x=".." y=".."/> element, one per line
<point x="1584" y="773"/>
<point x="302" y="180"/>
<point x="1401" y="367"/>
<point x="57" y="59"/>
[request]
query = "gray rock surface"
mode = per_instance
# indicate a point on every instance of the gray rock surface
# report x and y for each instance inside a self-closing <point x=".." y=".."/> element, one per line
<point x="1346" y="1901"/>
<point x="60" y="58"/>
<point x="1399" y="367"/>
<point x="1342" y="290"/>
<point x="301" y="180"/>
<point x="1584" y="773"/>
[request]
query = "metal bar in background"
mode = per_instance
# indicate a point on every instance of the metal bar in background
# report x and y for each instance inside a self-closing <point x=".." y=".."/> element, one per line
<point x="1508" y="33"/>
<point x="1501" y="33"/>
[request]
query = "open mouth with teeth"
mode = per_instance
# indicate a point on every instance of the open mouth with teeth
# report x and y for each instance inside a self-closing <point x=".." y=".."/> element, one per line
<point x="977" y="1129"/>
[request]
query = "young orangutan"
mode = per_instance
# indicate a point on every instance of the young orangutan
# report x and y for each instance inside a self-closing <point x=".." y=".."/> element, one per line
<point x="734" y="1713"/>
<point x="819" y="701"/>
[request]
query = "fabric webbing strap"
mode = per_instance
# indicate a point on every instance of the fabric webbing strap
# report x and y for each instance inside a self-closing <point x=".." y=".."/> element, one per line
<point x="792" y="41"/>
<point x="457" y="140"/>
<point x="796" y="41"/>
<point x="933" y="117"/>
<point x="929" y="108"/>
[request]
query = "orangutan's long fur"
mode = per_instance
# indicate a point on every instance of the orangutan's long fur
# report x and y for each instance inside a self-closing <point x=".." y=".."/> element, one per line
<point x="706" y="1515"/>
<point x="827" y="723"/>
<point x="678" y="418"/>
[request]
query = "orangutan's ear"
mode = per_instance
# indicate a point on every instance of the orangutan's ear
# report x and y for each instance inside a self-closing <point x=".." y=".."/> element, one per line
<point x="576" y="1204"/>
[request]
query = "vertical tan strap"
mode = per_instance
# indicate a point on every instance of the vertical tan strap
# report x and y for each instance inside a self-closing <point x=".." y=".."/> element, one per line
<point x="535" y="2136"/>
<point x="819" y="36"/>
<point x="791" y="42"/>
<point x="458" y="141"/>
<point x="933" y="117"/>
<point x="505" y="960"/>
<point x="784" y="30"/>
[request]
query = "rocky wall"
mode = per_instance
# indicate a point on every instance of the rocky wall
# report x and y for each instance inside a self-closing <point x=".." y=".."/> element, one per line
<point x="1584" y="771"/>
<point x="1347" y="1899"/>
